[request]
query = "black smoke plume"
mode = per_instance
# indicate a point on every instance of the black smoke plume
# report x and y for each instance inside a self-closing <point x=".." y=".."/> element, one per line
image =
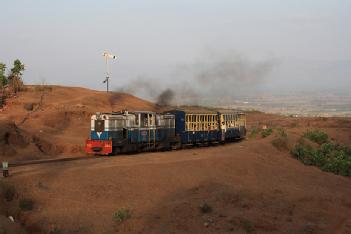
<point x="165" y="98"/>
<point x="213" y="76"/>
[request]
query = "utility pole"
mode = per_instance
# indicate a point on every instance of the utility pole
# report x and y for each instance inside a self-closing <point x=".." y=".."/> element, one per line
<point x="107" y="56"/>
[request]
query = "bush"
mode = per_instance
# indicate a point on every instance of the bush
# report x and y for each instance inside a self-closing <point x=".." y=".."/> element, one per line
<point x="317" y="136"/>
<point x="281" y="140"/>
<point x="42" y="88"/>
<point x="303" y="153"/>
<point x="266" y="132"/>
<point x="205" y="208"/>
<point x="26" y="204"/>
<point x="328" y="156"/>
<point x="8" y="191"/>
<point x="121" y="215"/>
<point x="248" y="226"/>
<point x="254" y="131"/>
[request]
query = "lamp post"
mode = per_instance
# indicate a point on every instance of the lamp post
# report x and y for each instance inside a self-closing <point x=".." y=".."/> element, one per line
<point x="107" y="56"/>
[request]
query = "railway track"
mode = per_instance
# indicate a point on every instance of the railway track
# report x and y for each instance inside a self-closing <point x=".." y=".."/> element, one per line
<point x="67" y="159"/>
<point x="44" y="161"/>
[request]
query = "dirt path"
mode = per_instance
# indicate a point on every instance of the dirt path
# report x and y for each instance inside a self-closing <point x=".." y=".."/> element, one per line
<point x="245" y="184"/>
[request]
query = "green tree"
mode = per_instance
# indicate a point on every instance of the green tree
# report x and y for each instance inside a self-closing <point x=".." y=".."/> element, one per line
<point x="17" y="69"/>
<point x="15" y="77"/>
<point x="3" y="78"/>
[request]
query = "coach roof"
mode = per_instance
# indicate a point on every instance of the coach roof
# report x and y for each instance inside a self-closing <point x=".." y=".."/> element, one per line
<point x="195" y="110"/>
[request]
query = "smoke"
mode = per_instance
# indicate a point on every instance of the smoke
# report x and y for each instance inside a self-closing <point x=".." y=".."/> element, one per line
<point x="213" y="76"/>
<point x="149" y="88"/>
<point x="142" y="86"/>
<point x="233" y="70"/>
<point x="166" y="98"/>
<point x="225" y="74"/>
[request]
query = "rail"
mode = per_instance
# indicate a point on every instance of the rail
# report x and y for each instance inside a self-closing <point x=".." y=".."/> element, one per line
<point x="55" y="160"/>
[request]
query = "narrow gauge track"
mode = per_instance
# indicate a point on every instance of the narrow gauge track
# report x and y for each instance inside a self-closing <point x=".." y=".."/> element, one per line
<point x="55" y="160"/>
<point x="67" y="159"/>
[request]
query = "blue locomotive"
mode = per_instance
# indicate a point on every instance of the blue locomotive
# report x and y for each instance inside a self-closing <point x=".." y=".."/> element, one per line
<point x="124" y="132"/>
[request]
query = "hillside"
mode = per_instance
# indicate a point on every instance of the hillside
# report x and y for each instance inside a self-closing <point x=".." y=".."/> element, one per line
<point x="59" y="122"/>
<point x="249" y="186"/>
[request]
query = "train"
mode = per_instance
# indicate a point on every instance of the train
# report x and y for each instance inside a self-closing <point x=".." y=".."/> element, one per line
<point x="127" y="132"/>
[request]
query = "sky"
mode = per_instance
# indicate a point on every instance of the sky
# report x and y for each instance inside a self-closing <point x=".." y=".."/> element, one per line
<point x="281" y="46"/>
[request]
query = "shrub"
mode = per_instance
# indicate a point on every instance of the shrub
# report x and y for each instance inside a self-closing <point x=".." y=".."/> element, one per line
<point x="328" y="156"/>
<point x="281" y="140"/>
<point x="121" y="215"/>
<point x="266" y="132"/>
<point x="26" y="204"/>
<point x="327" y="148"/>
<point x="248" y="226"/>
<point x="317" y="136"/>
<point x="8" y="191"/>
<point x="42" y="88"/>
<point x="303" y="153"/>
<point x="254" y="131"/>
<point x="205" y="208"/>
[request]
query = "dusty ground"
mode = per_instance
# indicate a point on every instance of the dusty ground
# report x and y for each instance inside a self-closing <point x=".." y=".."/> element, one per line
<point x="249" y="185"/>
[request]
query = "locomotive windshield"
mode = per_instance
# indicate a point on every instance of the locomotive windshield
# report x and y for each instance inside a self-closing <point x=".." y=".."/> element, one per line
<point x="99" y="125"/>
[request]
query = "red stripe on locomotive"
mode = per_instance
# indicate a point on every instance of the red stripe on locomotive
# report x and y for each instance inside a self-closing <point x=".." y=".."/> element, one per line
<point x="102" y="147"/>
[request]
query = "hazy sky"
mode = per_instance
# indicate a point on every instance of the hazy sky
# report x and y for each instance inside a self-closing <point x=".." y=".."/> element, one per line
<point x="307" y="42"/>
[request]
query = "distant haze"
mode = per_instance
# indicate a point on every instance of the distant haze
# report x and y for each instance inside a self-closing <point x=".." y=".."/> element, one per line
<point x="182" y="49"/>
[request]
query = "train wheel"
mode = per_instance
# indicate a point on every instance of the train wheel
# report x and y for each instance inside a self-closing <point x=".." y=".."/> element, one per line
<point x="116" y="150"/>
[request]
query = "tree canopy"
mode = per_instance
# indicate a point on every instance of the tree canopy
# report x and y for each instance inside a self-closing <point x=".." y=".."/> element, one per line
<point x="17" y="69"/>
<point x="3" y="78"/>
<point x="14" y="77"/>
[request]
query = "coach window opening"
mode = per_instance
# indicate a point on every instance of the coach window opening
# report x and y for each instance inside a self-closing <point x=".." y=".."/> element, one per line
<point x="203" y="122"/>
<point x="150" y="120"/>
<point x="143" y="120"/>
<point x="213" y="122"/>
<point x="189" y="122"/>
<point x="198" y="122"/>
<point x="207" y="122"/>
<point x="137" y="120"/>
<point x="158" y="121"/>
<point x="194" y="122"/>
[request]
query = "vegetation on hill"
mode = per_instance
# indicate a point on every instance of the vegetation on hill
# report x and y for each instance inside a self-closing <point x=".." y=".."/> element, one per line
<point x="3" y="78"/>
<point x="326" y="155"/>
<point x="317" y="136"/>
<point x="280" y="140"/>
<point x="14" y="77"/>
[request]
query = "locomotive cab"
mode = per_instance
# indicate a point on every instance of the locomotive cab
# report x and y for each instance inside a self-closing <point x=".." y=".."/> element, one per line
<point x="123" y="132"/>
